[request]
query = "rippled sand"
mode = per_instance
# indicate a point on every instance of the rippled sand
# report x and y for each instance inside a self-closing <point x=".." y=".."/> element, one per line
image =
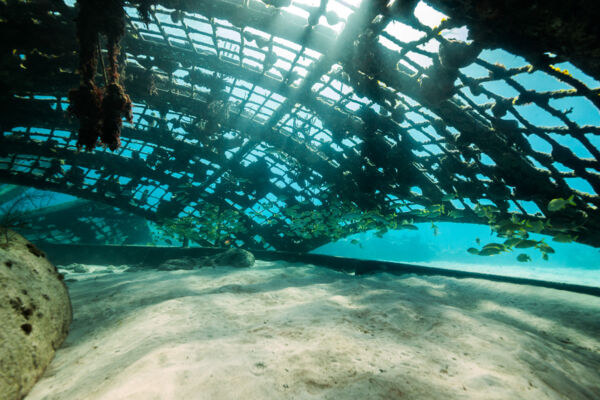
<point x="292" y="331"/>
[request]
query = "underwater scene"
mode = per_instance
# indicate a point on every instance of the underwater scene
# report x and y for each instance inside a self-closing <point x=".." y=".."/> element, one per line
<point x="299" y="199"/>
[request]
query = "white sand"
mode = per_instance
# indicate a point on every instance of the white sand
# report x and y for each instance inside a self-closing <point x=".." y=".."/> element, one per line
<point x="572" y="275"/>
<point x="282" y="331"/>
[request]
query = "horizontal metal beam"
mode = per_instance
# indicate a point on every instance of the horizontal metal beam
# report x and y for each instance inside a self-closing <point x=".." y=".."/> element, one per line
<point x="152" y="256"/>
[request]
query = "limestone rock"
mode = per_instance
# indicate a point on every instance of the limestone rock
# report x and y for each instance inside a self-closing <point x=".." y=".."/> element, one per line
<point x="235" y="258"/>
<point x="231" y="258"/>
<point x="35" y="311"/>
<point x="180" y="263"/>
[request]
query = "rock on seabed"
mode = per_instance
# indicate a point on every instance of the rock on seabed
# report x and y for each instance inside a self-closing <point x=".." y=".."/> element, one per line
<point x="35" y="314"/>
<point x="233" y="257"/>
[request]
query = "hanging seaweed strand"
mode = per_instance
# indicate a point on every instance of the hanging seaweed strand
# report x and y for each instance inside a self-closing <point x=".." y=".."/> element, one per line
<point x="100" y="109"/>
<point x="116" y="103"/>
<point x="102" y="63"/>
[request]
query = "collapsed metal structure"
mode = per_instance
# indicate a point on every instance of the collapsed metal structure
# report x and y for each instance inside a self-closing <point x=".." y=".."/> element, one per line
<point x="277" y="116"/>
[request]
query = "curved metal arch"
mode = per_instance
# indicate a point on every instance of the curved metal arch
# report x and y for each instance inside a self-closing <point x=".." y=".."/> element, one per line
<point x="270" y="234"/>
<point x="495" y="139"/>
<point x="331" y="117"/>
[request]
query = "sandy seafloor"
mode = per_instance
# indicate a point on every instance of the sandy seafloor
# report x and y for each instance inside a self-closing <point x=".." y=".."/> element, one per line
<point x="294" y="331"/>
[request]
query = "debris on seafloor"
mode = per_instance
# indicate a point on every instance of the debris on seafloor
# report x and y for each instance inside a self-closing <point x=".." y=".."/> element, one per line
<point x="234" y="257"/>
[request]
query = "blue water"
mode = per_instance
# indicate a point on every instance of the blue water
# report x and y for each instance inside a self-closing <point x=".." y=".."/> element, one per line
<point x="572" y="262"/>
<point x="445" y="247"/>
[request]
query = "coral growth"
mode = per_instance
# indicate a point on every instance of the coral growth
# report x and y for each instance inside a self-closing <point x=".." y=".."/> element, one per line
<point x="100" y="109"/>
<point x="85" y="104"/>
<point x="115" y="104"/>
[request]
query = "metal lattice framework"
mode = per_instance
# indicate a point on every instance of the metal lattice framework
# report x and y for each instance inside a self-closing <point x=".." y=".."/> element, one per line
<point x="74" y="221"/>
<point x="239" y="106"/>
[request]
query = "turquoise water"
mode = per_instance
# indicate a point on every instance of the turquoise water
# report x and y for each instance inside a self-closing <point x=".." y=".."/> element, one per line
<point x="572" y="262"/>
<point x="444" y="247"/>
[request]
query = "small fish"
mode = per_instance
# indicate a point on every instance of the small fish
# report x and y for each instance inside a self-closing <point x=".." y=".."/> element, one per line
<point x="354" y="241"/>
<point x="512" y="241"/>
<point x="544" y="248"/>
<point x="560" y="203"/>
<point x="435" y="228"/>
<point x="536" y="226"/>
<point x="564" y="238"/>
<point x="377" y="218"/>
<point x="490" y="251"/>
<point x="564" y="225"/>
<point x="456" y="213"/>
<point x="545" y="256"/>
<point x="434" y="214"/>
<point x="448" y="197"/>
<point x="525" y="244"/>
<point x="498" y="246"/>
<point x="523" y="257"/>
<point x="417" y="212"/>
<point x="353" y="215"/>
<point x="509" y="224"/>
<point x="477" y="240"/>
<point x="485" y="210"/>
<point x="473" y="250"/>
<point x="381" y="232"/>
<point x="410" y="227"/>
<point x="436" y="208"/>
<point x="168" y="241"/>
